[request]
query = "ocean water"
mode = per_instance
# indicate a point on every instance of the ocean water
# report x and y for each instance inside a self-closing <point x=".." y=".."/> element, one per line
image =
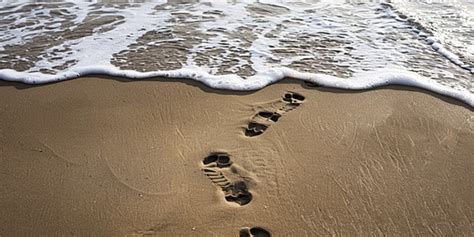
<point x="244" y="45"/>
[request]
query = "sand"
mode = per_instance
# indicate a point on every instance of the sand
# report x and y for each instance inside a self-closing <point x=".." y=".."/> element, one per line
<point x="113" y="157"/>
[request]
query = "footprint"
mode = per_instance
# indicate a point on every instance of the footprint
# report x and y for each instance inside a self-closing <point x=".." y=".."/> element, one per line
<point x="236" y="191"/>
<point x="263" y="119"/>
<point x="255" y="129"/>
<point x="254" y="232"/>
<point x="272" y="116"/>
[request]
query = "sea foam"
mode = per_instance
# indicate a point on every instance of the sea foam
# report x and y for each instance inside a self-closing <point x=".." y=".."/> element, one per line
<point x="238" y="46"/>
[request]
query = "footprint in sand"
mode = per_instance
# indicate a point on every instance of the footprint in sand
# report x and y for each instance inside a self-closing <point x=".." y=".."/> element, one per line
<point x="214" y="167"/>
<point x="263" y="119"/>
<point x="255" y="232"/>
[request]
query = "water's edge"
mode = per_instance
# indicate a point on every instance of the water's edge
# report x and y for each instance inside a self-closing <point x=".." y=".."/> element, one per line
<point x="240" y="46"/>
<point x="363" y="81"/>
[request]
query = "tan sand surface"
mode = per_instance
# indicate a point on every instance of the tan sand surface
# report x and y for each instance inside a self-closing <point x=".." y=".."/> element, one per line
<point x="111" y="157"/>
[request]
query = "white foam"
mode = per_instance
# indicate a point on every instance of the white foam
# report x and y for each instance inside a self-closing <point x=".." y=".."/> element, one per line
<point x="105" y="44"/>
<point x="372" y="61"/>
<point x="16" y="36"/>
<point x="438" y="47"/>
<point x="441" y="33"/>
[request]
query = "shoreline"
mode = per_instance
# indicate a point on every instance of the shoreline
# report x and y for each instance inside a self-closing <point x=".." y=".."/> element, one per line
<point x="107" y="157"/>
<point x="360" y="82"/>
<point x="286" y="80"/>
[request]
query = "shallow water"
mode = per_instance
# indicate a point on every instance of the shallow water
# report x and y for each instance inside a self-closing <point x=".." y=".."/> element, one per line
<point x="244" y="44"/>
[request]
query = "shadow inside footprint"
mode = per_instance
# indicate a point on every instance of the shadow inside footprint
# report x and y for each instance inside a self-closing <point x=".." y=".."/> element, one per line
<point x="255" y="129"/>
<point x="238" y="192"/>
<point x="222" y="160"/>
<point x="273" y="116"/>
<point x="254" y="232"/>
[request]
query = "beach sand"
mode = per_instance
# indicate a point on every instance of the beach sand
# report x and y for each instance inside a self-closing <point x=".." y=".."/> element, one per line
<point x="114" y="157"/>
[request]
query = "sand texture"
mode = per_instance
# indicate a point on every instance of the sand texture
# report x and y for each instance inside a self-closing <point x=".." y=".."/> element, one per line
<point x="113" y="157"/>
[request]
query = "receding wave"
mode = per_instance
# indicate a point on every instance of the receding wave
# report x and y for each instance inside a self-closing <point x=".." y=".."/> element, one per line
<point x="237" y="46"/>
<point x="456" y="33"/>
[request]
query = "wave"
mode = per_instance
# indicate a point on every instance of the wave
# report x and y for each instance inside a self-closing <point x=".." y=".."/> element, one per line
<point x="234" y="46"/>
<point x="428" y="36"/>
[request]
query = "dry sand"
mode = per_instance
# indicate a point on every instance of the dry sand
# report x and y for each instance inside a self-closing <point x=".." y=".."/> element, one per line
<point x="108" y="157"/>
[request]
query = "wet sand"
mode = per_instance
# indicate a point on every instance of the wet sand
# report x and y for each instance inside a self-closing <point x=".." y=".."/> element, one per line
<point x="108" y="157"/>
